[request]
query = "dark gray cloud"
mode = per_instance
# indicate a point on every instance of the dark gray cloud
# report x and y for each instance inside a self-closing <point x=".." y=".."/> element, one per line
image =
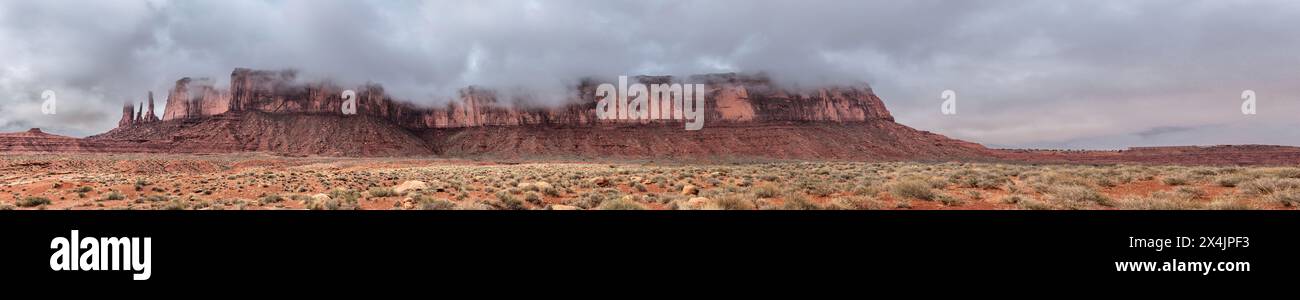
<point x="1080" y="74"/>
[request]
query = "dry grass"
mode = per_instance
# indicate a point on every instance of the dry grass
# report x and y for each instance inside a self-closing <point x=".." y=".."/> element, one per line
<point x="239" y="182"/>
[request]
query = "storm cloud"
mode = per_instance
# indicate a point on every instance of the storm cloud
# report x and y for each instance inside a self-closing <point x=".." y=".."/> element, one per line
<point x="1045" y="74"/>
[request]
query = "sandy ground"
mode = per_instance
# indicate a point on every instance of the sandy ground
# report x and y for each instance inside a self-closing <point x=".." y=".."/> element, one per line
<point x="253" y="181"/>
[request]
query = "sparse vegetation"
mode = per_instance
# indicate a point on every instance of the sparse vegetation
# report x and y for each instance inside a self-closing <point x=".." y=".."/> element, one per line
<point x="32" y="201"/>
<point x="915" y="189"/>
<point x="226" y="182"/>
<point x="381" y="192"/>
<point x="620" y="204"/>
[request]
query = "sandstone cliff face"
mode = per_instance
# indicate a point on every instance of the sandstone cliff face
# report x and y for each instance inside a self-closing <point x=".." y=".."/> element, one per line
<point x="744" y="116"/>
<point x="732" y="98"/>
<point x="191" y="98"/>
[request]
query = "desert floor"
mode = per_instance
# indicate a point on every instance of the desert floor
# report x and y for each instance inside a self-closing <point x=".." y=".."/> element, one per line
<point x="251" y="181"/>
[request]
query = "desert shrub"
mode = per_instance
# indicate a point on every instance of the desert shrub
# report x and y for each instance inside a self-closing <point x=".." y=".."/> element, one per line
<point x="300" y="197"/>
<point x="1288" y="198"/>
<point x="856" y="203"/>
<point x="903" y="204"/>
<point x="1012" y="199"/>
<point x="913" y="189"/>
<point x="331" y="203"/>
<point x="1230" y="180"/>
<point x="816" y="187"/>
<point x="32" y="201"/>
<point x="153" y="198"/>
<point x="1189" y="193"/>
<point x="986" y="181"/>
<point x="1029" y="203"/>
<point x="268" y="199"/>
<point x="866" y="189"/>
<point x="620" y="204"/>
<point x="473" y="205"/>
<point x="765" y="190"/>
<point x="114" y="196"/>
<point x="507" y="201"/>
<point x="533" y="197"/>
<point x="83" y="189"/>
<point x="436" y="204"/>
<point x="551" y="191"/>
<point x="1156" y="202"/>
<point x="1228" y="203"/>
<point x="592" y="199"/>
<point x="937" y="183"/>
<point x="948" y="200"/>
<point x="1281" y="172"/>
<point x="795" y="201"/>
<point x="175" y="204"/>
<point x="380" y="192"/>
<point x="1175" y="180"/>
<point x="730" y="202"/>
<point x="1074" y="195"/>
<point x="345" y="195"/>
<point x="1266" y="186"/>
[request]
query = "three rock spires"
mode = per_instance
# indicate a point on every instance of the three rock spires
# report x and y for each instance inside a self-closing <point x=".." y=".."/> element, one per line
<point x="131" y="115"/>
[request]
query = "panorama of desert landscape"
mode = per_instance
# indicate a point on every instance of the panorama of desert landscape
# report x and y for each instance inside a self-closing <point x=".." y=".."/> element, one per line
<point x="272" y="140"/>
<point x="238" y="182"/>
<point x="740" y="145"/>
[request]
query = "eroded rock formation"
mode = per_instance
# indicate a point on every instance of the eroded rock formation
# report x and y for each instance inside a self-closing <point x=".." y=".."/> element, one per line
<point x="746" y="116"/>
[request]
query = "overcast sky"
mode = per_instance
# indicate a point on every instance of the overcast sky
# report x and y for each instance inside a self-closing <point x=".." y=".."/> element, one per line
<point x="1027" y="73"/>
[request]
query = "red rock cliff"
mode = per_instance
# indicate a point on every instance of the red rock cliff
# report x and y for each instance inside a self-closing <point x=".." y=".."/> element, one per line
<point x="730" y="98"/>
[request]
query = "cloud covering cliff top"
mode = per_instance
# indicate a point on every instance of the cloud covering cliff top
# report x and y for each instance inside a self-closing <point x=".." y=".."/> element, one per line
<point x="1067" y="74"/>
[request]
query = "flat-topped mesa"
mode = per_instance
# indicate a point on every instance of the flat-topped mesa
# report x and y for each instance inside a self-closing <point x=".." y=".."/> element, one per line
<point x="730" y="98"/>
<point x="194" y="98"/>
